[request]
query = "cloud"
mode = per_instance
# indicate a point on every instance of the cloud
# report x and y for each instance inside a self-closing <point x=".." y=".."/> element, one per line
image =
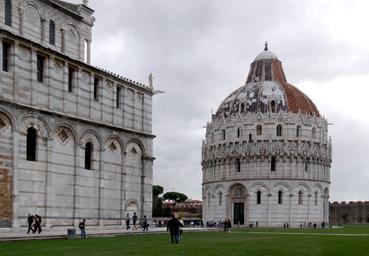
<point x="200" y="51"/>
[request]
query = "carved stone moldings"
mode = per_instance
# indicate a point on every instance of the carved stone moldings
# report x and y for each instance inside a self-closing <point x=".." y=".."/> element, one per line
<point x="25" y="54"/>
<point x="31" y="15"/>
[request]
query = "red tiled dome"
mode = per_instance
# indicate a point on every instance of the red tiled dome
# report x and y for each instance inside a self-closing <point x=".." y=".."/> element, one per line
<point x="267" y="90"/>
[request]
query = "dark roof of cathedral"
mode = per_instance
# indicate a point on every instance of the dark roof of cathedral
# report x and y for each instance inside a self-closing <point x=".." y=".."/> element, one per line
<point x="267" y="90"/>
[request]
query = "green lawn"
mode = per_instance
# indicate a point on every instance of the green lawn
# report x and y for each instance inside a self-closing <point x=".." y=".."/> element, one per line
<point x="237" y="242"/>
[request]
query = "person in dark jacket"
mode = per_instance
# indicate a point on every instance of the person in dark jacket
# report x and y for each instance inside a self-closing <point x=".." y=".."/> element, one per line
<point x="173" y="227"/>
<point x="134" y="220"/>
<point x="145" y="225"/>
<point x="82" y="227"/>
<point x="37" y="227"/>
<point x="127" y="222"/>
<point x="30" y="220"/>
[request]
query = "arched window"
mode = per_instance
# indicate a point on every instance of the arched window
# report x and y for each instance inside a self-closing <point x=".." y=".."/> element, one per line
<point x="300" y="197"/>
<point x="316" y="198"/>
<point x="223" y="134"/>
<point x="272" y="106"/>
<point x="279" y="130"/>
<point x="273" y="164"/>
<point x="242" y="107"/>
<point x="8" y="12"/>
<point x="85" y="53"/>
<point x="220" y="198"/>
<point x="259" y="130"/>
<point x="307" y="165"/>
<point x="31" y="144"/>
<point x="280" y="197"/>
<point x="238" y="132"/>
<point x="313" y="132"/>
<point x="238" y="165"/>
<point x="298" y="131"/>
<point x="51" y="32"/>
<point x="258" y="197"/>
<point x="250" y="137"/>
<point x="88" y="155"/>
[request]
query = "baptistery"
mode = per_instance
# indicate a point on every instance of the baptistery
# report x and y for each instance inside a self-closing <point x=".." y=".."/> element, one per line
<point x="267" y="155"/>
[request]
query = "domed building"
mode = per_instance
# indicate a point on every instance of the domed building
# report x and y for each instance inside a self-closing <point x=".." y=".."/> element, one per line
<point x="267" y="155"/>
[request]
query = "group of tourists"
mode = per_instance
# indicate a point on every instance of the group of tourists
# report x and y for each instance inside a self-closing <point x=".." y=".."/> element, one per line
<point x="175" y="227"/>
<point x="225" y="224"/>
<point x="144" y="223"/>
<point x="34" y="223"/>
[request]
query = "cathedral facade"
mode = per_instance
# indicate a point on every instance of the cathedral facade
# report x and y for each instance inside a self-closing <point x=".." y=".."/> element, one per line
<point x="76" y="140"/>
<point x="267" y="155"/>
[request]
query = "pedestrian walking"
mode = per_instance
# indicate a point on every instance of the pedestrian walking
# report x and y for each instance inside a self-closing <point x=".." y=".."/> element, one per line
<point x="30" y="220"/>
<point x="181" y="222"/>
<point x="145" y="224"/>
<point x="37" y="225"/>
<point x="173" y="227"/>
<point x="134" y="220"/>
<point x="127" y="222"/>
<point x="82" y="227"/>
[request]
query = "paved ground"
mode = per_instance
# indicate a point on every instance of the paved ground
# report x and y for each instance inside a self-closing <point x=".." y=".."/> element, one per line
<point x="13" y="234"/>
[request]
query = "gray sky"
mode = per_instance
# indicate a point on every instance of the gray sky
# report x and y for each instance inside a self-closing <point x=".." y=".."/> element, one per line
<point x="199" y="51"/>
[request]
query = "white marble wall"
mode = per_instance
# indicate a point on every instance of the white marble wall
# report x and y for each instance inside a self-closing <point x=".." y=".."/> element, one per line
<point x="302" y="164"/>
<point x="56" y="185"/>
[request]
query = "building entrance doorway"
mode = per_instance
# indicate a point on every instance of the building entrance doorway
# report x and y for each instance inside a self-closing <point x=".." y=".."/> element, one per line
<point x="239" y="214"/>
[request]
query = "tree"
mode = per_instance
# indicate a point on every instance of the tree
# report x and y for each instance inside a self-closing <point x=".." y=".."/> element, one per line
<point x="157" y="190"/>
<point x="175" y="196"/>
<point x="157" y="202"/>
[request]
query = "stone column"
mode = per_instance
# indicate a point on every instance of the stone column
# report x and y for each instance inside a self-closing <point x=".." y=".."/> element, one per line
<point x="309" y="211"/>
<point x="228" y="206"/>
<point x="21" y="18"/>
<point x="15" y="177"/>
<point x="43" y="22"/>
<point x="123" y="189"/>
<point x="49" y="160"/>
<point x="77" y="146"/>
<point x="269" y="196"/>
<point x="100" y="221"/>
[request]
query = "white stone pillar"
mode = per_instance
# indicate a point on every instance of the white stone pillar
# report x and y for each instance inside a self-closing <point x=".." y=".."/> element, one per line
<point x="99" y="217"/>
<point x="21" y="19"/>
<point x="43" y="25"/>
<point x="269" y="196"/>
<point x="15" y="177"/>
<point x="77" y="148"/>
<point x="49" y="161"/>
<point x="123" y="189"/>
<point x="309" y="211"/>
